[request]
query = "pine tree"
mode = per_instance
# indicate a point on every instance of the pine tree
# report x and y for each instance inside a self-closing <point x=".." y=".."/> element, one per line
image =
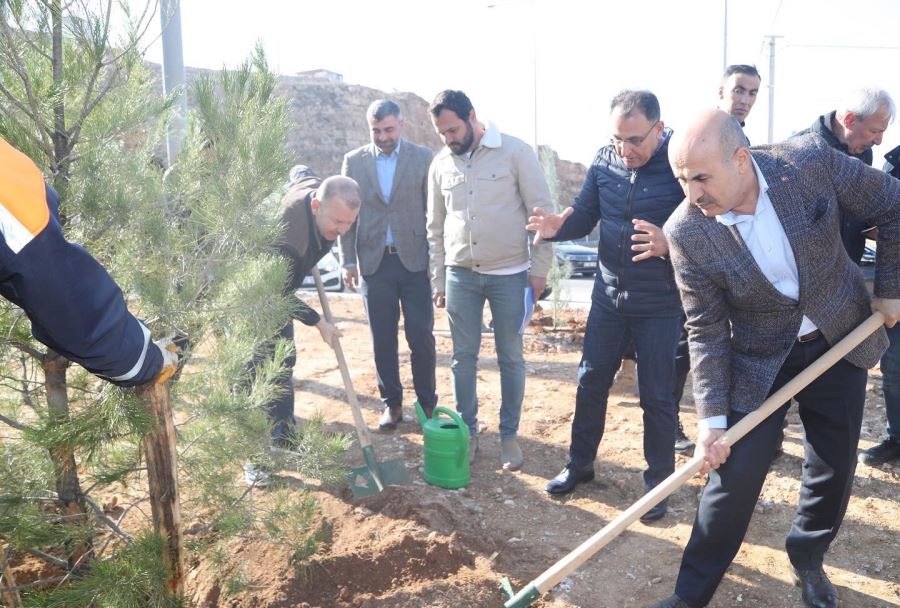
<point x="559" y="270"/>
<point x="190" y="245"/>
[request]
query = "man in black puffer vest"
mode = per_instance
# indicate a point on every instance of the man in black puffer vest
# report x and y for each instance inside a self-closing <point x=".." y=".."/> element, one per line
<point x="630" y="187"/>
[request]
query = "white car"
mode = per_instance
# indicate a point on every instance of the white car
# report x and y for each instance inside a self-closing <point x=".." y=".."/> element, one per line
<point x="330" y="270"/>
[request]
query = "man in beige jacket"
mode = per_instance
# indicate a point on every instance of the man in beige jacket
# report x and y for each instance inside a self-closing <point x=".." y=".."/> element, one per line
<point x="481" y="188"/>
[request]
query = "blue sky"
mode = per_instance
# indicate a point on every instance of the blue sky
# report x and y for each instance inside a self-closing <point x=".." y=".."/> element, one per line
<point x="586" y="52"/>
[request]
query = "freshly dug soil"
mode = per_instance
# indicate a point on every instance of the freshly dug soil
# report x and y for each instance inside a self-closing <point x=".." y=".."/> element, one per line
<point x="421" y="546"/>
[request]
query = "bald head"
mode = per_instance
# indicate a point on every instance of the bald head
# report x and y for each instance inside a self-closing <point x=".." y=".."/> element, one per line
<point x="711" y="161"/>
<point x="336" y="206"/>
<point x="711" y="130"/>
<point x="339" y="187"/>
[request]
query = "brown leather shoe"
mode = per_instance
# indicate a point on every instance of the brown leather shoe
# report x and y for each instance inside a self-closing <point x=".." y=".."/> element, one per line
<point x="390" y="418"/>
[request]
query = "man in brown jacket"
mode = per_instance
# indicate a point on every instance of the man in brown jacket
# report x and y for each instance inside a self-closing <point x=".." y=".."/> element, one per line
<point x="314" y="214"/>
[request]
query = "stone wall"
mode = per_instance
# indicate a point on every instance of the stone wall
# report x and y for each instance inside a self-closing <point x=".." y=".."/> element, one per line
<point x="329" y="120"/>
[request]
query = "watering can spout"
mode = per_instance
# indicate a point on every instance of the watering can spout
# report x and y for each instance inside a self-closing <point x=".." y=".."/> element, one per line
<point x="421" y="414"/>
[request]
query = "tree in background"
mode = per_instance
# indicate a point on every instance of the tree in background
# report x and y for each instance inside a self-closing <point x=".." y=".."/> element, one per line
<point x="560" y="270"/>
<point x="190" y="246"/>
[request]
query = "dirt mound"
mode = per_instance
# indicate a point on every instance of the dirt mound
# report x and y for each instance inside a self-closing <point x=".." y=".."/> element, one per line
<point x="418" y="546"/>
<point x="384" y="552"/>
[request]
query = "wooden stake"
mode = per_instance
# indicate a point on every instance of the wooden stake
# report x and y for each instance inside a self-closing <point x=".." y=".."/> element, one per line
<point x="10" y="599"/>
<point x="162" y="473"/>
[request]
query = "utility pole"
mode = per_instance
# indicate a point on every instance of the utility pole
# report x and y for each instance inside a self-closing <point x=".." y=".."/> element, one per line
<point x="534" y="59"/>
<point x="725" y="39"/>
<point x="173" y="73"/>
<point x="771" y="85"/>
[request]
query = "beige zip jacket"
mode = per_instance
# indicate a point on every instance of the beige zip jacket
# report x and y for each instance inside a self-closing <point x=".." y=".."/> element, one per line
<point x="478" y="208"/>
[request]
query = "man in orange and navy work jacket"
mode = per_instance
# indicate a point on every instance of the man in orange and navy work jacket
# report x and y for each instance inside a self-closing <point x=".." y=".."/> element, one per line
<point x="73" y="304"/>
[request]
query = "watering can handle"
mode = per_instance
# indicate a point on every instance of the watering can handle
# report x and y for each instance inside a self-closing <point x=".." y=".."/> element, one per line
<point x="462" y="426"/>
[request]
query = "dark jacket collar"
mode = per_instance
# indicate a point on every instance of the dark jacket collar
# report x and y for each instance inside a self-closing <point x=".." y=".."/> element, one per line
<point x="822" y="127"/>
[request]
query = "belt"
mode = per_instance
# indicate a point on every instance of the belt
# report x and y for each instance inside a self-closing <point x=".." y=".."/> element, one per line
<point x="390" y="249"/>
<point x="810" y="336"/>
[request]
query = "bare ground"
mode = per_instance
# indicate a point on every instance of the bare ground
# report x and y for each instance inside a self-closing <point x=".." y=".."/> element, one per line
<point x="422" y="546"/>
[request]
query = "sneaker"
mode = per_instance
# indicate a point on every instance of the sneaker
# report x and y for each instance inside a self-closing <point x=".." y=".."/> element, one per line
<point x="256" y="475"/>
<point x="390" y="418"/>
<point x="511" y="454"/>
<point x="473" y="447"/>
<point x="886" y="451"/>
<point x="682" y="443"/>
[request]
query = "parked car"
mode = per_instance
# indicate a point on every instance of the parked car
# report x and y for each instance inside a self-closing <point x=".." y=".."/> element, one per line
<point x="330" y="271"/>
<point x="867" y="263"/>
<point x="583" y="259"/>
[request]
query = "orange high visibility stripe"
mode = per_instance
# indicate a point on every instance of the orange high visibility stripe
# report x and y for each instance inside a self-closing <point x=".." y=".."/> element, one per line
<point x="22" y="190"/>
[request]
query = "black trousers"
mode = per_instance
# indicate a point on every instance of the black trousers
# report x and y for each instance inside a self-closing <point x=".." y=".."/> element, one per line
<point x="682" y="364"/>
<point x="281" y="408"/>
<point x="386" y="292"/>
<point x="831" y="411"/>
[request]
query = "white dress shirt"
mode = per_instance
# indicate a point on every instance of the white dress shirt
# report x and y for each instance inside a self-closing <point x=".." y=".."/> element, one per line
<point x="764" y="236"/>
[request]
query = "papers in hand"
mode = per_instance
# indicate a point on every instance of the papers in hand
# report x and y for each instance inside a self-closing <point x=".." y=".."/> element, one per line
<point x="529" y="309"/>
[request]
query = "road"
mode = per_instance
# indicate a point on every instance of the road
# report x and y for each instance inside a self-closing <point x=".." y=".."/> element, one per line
<point x="577" y="292"/>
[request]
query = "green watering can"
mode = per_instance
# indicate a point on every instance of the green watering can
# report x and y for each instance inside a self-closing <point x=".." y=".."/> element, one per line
<point x="446" y="448"/>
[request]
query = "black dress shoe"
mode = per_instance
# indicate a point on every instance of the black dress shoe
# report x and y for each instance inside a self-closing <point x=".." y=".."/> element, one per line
<point x="568" y="478"/>
<point x="390" y="418"/>
<point x="656" y="513"/>
<point x="672" y="601"/>
<point x="818" y="592"/>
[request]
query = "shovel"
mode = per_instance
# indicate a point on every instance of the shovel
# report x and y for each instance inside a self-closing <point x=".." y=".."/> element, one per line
<point x="573" y="560"/>
<point x="370" y="479"/>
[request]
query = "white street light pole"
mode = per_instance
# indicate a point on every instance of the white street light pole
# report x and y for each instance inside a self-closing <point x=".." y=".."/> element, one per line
<point x="725" y="38"/>
<point x="771" y="85"/>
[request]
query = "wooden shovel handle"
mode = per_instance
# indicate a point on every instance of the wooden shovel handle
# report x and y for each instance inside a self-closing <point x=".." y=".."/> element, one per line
<point x="362" y="430"/>
<point x="583" y="552"/>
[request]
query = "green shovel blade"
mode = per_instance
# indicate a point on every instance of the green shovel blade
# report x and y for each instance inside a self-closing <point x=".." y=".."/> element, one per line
<point x="363" y="480"/>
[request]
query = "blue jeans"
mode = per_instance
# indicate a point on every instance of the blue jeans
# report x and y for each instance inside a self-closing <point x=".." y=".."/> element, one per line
<point x="385" y="292"/>
<point x="466" y="293"/>
<point x="655" y="339"/>
<point x="890" y="374"/>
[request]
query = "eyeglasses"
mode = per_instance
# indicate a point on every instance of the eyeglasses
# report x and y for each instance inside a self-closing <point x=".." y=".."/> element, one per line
<point x="631" y="141"/>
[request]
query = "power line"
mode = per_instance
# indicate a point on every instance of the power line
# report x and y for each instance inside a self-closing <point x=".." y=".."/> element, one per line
<point x="775" y="18"/>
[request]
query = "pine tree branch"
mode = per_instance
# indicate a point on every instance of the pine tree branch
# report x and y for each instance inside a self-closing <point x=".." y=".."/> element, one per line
<point x="17" y="103"/>
<point x="88" y="104"/>
<point x="99" y="552"/>
<point x="18" y="67"/>
<point x="107" y="520"/>
<point x="37" y="583"/>
<point x="59" y="563"/>
<point x="27" y="39"/>
<point x="25" y="348"/>
<point x="17" y="380"/>
<point x="144" y="24"/>
<point x="14" y="424"/>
